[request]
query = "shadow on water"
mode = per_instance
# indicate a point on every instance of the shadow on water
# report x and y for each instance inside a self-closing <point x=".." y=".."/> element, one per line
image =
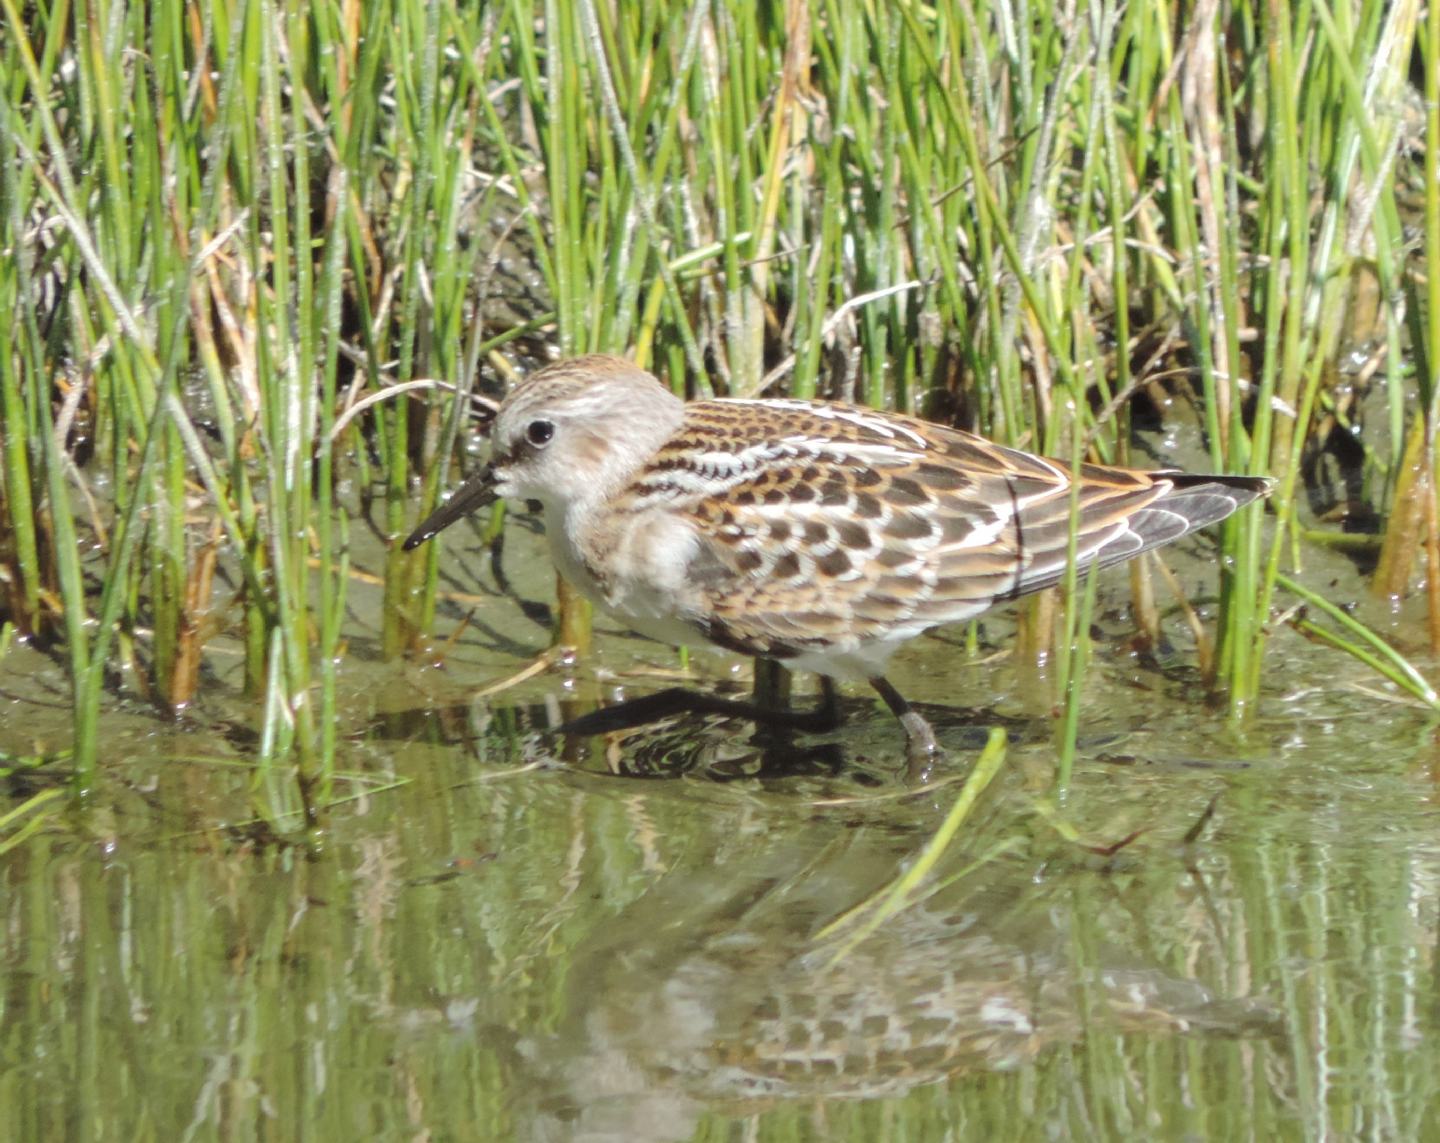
<point x="678" y="736"/>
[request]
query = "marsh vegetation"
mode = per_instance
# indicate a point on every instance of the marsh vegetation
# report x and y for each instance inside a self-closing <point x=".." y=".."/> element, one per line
<point x="292" y="794"/>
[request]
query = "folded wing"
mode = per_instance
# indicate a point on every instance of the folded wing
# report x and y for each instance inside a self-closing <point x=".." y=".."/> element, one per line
<point x="848" y="527"/>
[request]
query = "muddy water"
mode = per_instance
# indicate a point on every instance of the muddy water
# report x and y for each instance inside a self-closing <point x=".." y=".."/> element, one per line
<point x="504" y="934"/>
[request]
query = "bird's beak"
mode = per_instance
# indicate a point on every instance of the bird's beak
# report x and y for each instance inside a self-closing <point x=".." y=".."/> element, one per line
<point x="474" y="494"/>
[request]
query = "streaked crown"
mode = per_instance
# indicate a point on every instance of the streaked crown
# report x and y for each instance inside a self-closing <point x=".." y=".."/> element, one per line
<point x="578" y="429"/>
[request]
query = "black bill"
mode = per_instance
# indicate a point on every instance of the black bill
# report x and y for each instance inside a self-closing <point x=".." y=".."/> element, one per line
<point x="474" y="494"/>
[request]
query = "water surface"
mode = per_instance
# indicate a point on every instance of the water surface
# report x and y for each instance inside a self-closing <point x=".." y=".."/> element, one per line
<point x="502" y="933"/>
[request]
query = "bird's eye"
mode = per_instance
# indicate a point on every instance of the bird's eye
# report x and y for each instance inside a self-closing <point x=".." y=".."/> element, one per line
<point x="539" y="432"/>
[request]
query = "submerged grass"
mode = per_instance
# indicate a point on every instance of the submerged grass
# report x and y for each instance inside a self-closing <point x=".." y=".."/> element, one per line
<point x="227" y="224"/>
<point x="904" y="891"/>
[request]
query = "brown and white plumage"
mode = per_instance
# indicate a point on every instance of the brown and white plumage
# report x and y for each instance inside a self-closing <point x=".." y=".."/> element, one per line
<point x="822" y="535"/>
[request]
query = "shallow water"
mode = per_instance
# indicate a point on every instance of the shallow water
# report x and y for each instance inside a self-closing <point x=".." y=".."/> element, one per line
<point x="503" y="933"/>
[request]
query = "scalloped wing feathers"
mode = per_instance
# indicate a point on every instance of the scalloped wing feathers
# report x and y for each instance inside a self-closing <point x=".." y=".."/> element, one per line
<point x="827" y="527"/>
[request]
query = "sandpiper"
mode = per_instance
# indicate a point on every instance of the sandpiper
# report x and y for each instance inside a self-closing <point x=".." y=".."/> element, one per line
<point x="821" y="535"/>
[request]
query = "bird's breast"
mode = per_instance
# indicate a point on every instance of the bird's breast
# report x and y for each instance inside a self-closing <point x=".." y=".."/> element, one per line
<point x="633" y="566"/>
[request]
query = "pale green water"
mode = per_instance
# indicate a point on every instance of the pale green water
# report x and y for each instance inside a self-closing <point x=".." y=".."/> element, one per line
<point x="518" y="943"/>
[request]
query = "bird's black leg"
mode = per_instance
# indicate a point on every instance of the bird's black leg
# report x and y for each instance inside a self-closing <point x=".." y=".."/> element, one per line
<point x="920" y="745"/>
<point x="823" y="718"/>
